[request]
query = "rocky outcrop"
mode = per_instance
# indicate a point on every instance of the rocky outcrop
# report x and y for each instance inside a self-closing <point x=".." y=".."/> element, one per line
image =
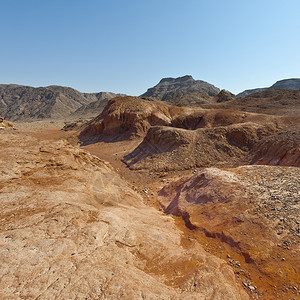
<point x="225" y="96"/>
<point x="126" y="117"/>
<point x="71" y="228"/>
<point x="75" y="125"/>
<point x="5" y="124"/>
<point x="251" y="212"/>
<point x="25" y="103"/>
<point x="185" y="83"/>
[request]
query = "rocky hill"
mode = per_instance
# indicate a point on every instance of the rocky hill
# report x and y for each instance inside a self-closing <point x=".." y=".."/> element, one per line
<point x="177" y="138"/>
<point x="291" y="84"/>
<point x="271" y="101"/>
<point x="241" y="203"/>
<point x="186" y="83"/>
<point x="25" y="103"/>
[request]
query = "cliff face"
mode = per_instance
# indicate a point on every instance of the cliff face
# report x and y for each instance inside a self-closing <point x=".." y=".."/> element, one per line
<point x="186" y="83"/>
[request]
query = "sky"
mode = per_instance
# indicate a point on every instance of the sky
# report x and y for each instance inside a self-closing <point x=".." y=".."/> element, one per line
<point x="127" y="46"/>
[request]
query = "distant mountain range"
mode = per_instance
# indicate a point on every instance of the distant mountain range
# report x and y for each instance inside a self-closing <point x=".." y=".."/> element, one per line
<point x="24" y="103"/>
<point x="168" y="87"/>
<point x="291" y="84"/>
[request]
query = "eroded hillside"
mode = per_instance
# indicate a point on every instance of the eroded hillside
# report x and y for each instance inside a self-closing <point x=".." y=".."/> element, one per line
<point x="156" y="201"/>
<point x="246" y="215"/>
<point x="72" y="228"/>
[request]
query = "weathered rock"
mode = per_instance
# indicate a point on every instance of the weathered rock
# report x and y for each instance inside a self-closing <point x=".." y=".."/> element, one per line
<point x="225" y="96"/>
<point x="5" y="124"/>
<point x="167" y="148"/>
<point x="239" y="208"/>
<point x="71" y="228"/>
<point x="282" y="149"/>
<point x="127" y="117"/>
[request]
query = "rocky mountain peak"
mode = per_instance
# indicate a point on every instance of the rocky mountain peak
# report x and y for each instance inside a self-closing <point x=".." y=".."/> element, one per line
<point x="186" y="82"/>
<point x="178" y="79"/>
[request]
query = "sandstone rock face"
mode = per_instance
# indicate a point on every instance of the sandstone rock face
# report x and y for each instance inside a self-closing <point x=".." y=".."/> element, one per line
<point x="71" y="228"/>
<point x="127" y="117"/>
<point x="25" y="103"/>
<point x="254" y="210"/>
<point x="187" y="83"/>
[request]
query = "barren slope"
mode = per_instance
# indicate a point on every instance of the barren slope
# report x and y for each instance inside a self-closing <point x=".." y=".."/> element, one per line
<point x="176" y="138"/>
<point x="94" y="108"/>
<point x="254" y="213"/>
<point x="26" y="103"/>
<point x="291" y="84"/>
<point x="274" y="102"/>
<point x="71" y="228"/>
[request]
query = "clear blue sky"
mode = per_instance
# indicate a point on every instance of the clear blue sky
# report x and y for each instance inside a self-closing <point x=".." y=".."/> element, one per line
<point x="129" y="45"/>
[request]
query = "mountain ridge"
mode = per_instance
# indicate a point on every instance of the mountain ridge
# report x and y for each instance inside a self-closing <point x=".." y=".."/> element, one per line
<point x="26" y="103"/>
<point x="290" y="83"/>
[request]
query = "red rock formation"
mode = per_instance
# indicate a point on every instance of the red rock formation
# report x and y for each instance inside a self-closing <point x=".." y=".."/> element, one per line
<point x="252" y="211"/>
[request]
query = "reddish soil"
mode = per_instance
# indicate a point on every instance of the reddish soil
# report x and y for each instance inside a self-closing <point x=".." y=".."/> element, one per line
<point x="274" y="276"/>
